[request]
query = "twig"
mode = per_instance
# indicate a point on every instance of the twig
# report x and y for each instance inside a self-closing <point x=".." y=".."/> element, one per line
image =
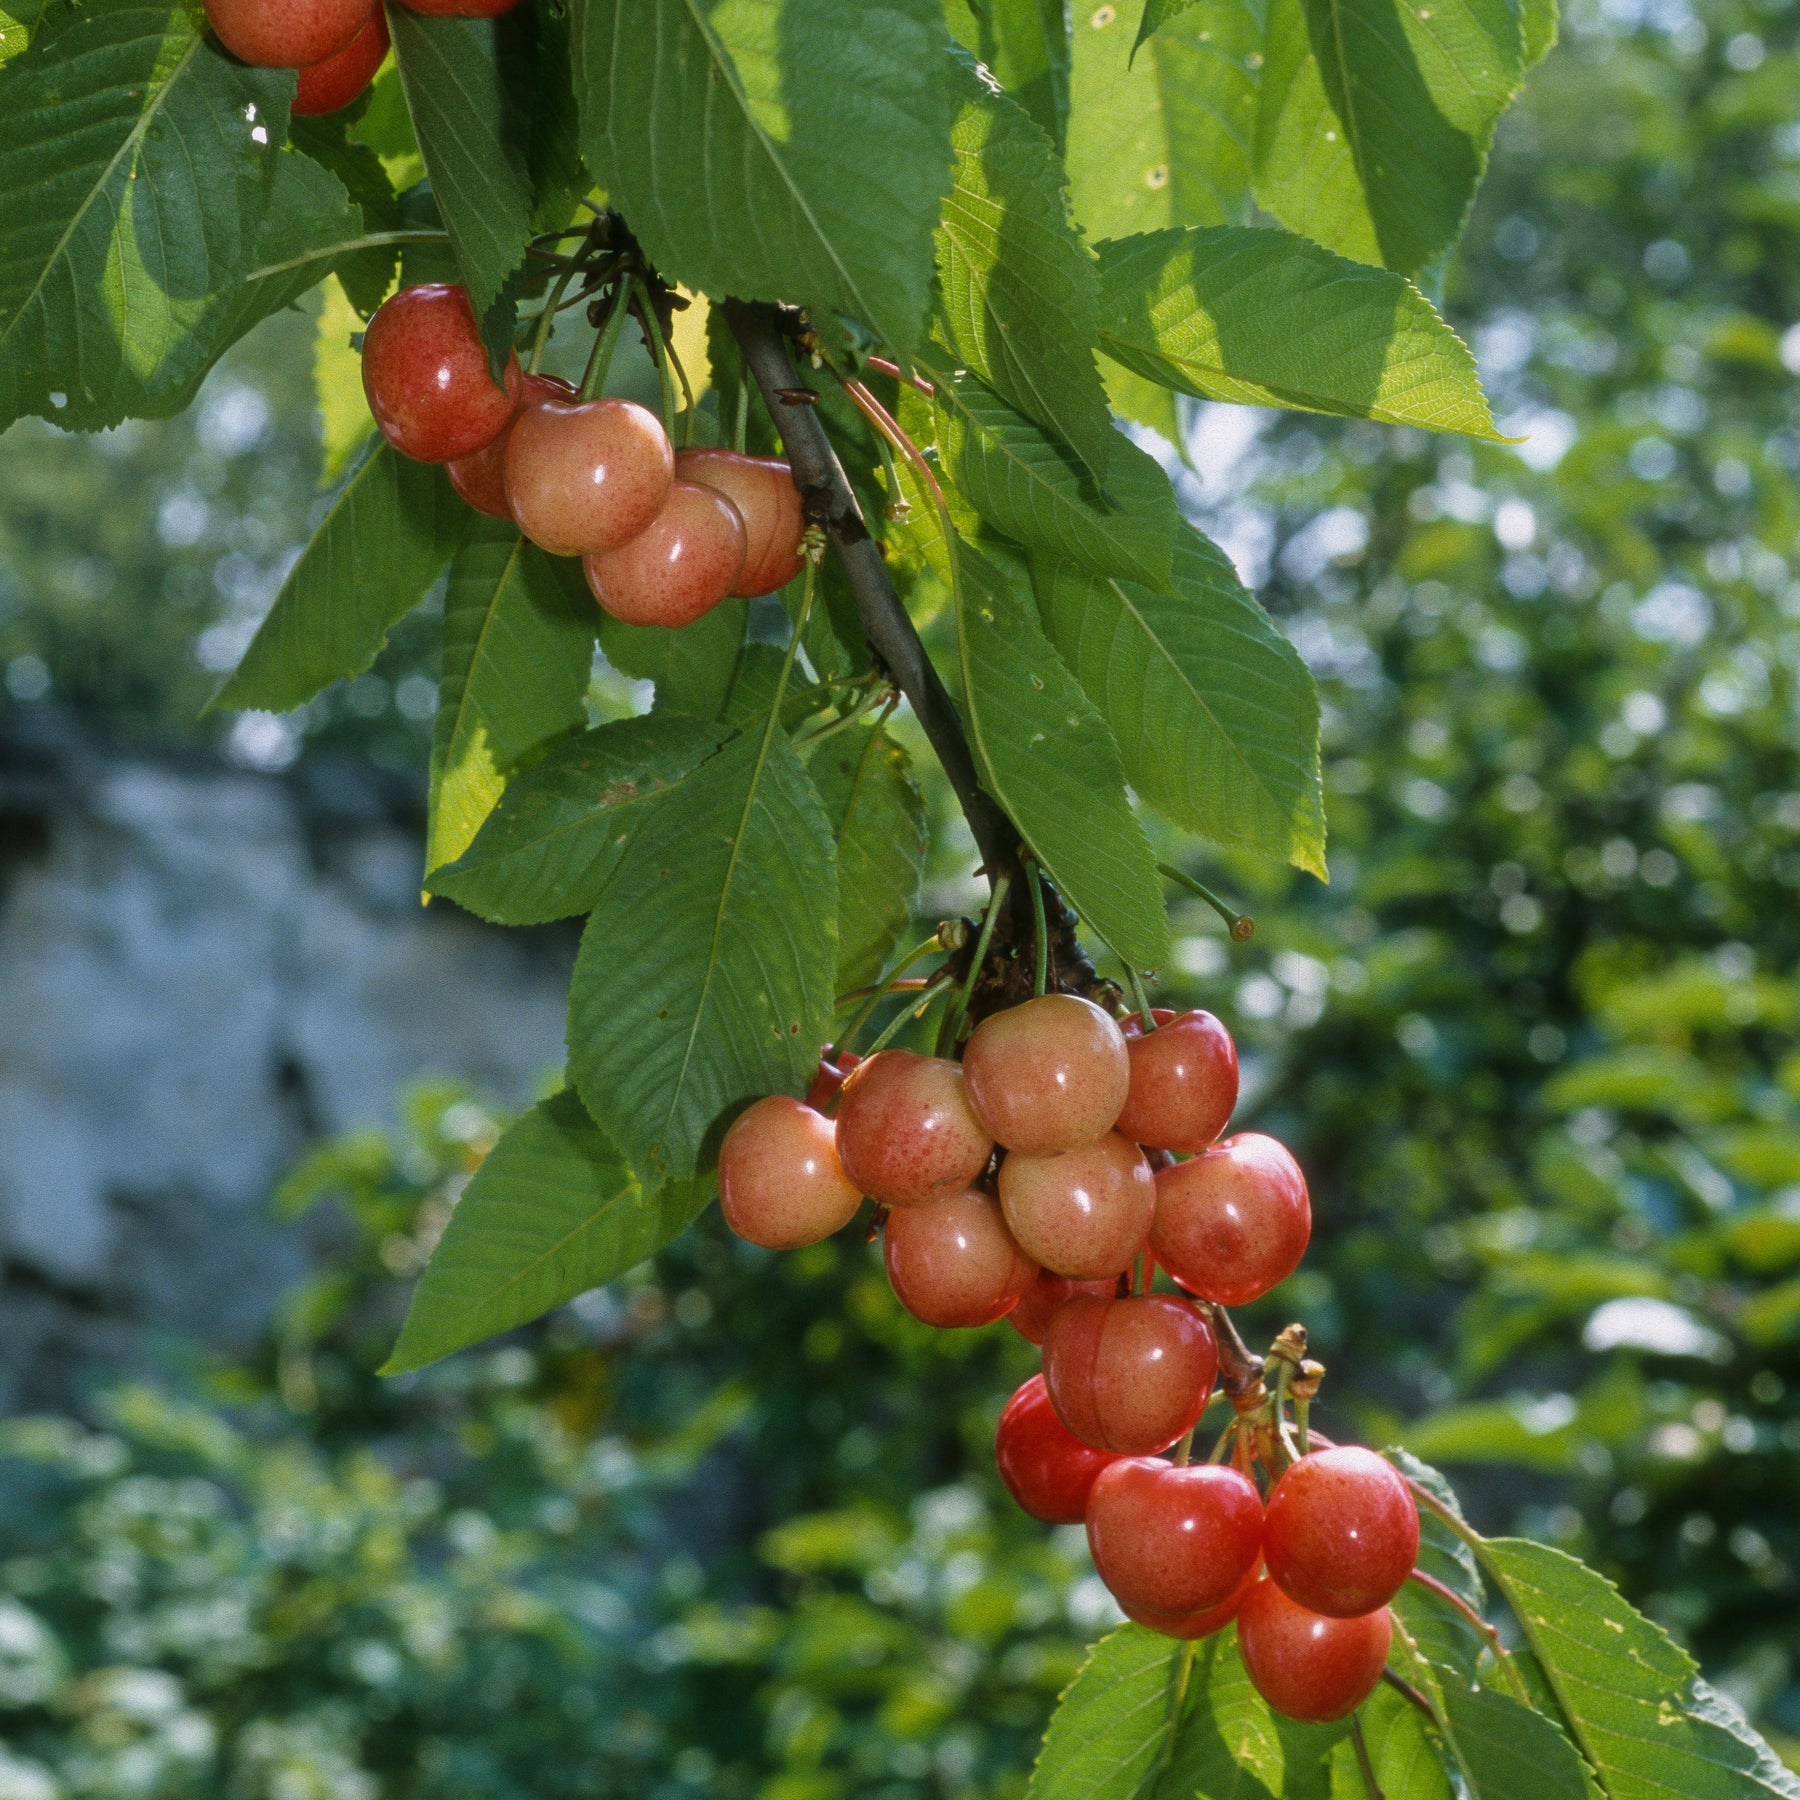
<point x="1408" y="1692"/>
<point x="1362" y="1759"/>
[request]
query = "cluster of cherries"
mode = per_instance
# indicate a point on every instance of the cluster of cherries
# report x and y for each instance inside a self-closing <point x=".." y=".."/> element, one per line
<point x="1025" y="1182"/>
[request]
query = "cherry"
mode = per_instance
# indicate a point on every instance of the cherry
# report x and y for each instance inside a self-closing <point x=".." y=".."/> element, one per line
<point x="1306" y="1666"/>
<point x="1173" y="1539"/>
<point x="1049" y="1075"/>
<point x="1198" y="1624"/>
<point x="833" y="1072"/>
<point x="953" y="1262"/>
<point x="331" y="85"/>
<point x="481" y="478"/>
<point x="681" y="565"/>
<point x="1343" y="1532"/>
<point x="425" y="372"/>
<point x="762" y="489"/>
<point x="1046" y="1468"/>
<point x="1232" y="1221"/>
<point x="286" y="34"/>
<point x="779" y="1180"/>
<point x="1047" y="1292"/>
<point x="1129" y="1375"/>
<point x="585" y="476"/>
<point x="1084" y="1213"/>
<point x="905" y="1130"/>
<point x="1184" y="1083"/>
<point x="460" y="9"/>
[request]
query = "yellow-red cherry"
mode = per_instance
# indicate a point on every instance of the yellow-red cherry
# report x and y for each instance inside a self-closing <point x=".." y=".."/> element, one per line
<point x="1048" y="1075"/>
<point x="1129" y="1375"/>
<point x="1233" y="1221"/>
<point x="330" y="86"/>
<point x="833" y="1072"/>
<point x="679" y="567"/>
<point x="1084" y="1213"/>
<point x="780" y="1184"/>
<point x="952" y="1262"/>
<point x="1173" y="1539"/>
<point x="481" y="479"/>
<point x="1343" y="1532"/>
<point x="762" y="489"/>
<point x="905" y="1130"/>
<point x="1048" y="1292"/>
<point x="425" y="372"/>
<point x="1309" y="1667"/>
<point x="286" y="34"/>
<point x="1047" y="1469"/>
<point x="585" y="476"/>
<point x="1184" y="1082"/>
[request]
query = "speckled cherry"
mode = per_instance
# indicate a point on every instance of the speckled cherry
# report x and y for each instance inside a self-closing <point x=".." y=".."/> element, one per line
<point x="1049" y="1075"/>
<point x="1084" y="1213"/>
<point x="905" y="1130"/>
<point x="833" y="1072"/>
<point x="1049" y="1291"/>
<point x="952" y="1262"/>
<point x="330" y="86"/>
<point x="1309" y="1667"/>
<point x="1197" y="1624"/>
<point x="762" y="489"/>
<point x="481" y="479"/>
<point x="1129" y="1375"/>
<point x="1173" y="1539"/>
<point x="779" y="1180"/>
<point x="585" y="476"/>
<point x="679" y="567"/>
<point x="1184" y="1082"/>
<point x="286" y="34"/>
<point x="425" y="372"/>
<point x="1046" y="1468"/>
<point x="1343" y="1532"/>
<point x="1233" y="1221"/>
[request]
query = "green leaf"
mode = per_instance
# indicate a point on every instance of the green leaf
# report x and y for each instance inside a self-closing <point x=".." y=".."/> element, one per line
<point x="1025" y="45"/>
<point x="1446" y="1642"/>
<point x="1215" y="715"/>
<point x="473" y="125"/>
<point x="1157" y="13"/>
<point x="1163" y="138"/>
<point x="776" y="149"/>
<point x="539" y="71"/>
<point x="1374" y="120"/>
<point x="704" y="978"/>
<point x="548" y="848"/>
<point x="1108" y="1732"/>
<point x="1046" y="755"/>
<point x="1233" y="1746"/>
<point x="518" y="652"/>
<point x="1538" y="23"/>
<point x="1269" y="319"/>
<point x="366" y="274"/>
<point x="1405" y="1759"/>
<point x="138" y="163"/>
<point x="878" y="820"/>
<point x="388" y="535"/>
<point x="553" y="1211"/>
<point x="18" y="19"/>
<point x="693" y="666"/>
<point x="1020" y="293"/>
<point x="1511" y="1751"/>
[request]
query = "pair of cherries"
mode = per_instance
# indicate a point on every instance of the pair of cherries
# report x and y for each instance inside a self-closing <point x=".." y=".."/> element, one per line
<point x="662" y="538"/>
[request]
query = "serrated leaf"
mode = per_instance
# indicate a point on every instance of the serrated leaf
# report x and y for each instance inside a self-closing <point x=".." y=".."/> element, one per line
<point x="704" y="978"/>
<point x="386" y="538"/>
<point x="18" y="19"/>
<point x="138" y="163"/>
<point x="1538" y="25"/>
<point x="775" y="149"/>
<point x="1020" y="295"/>
<point x="1156" y="14"/>
<point x="1445" y="1640"/>
<point x="1025" y="45"/>
<point x="1233" y="1746"/>
<point x="878" y="821"/>
<point x="1107" y="1735"/>
<point x="366" y="274"/>
<point x="1404" y="1756"/>
<point x="548" y="848"/>
<point x="541" y="69"/>
<point x="554" y="1211"/>
<point x="1511" y="1752"/>
<point x="1266" y="318"/>
<point x="518" y="651"/>
<point x="692" y="666"/>
<point x="1374" y="121"/>
<point x="1215" y="715"/>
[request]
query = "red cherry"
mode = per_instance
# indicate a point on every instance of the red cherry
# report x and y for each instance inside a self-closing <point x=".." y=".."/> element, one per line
<point x="1198" y="1624"/>
<point x="680" y="566"/>
<point x="905" y="1130"/>
<point x="1184" y="1083"/>
<point x="585" y="476"/>
<point x="286" y="34"/>
<point x="1173" y="1540"/>
<point x="779" y="1180"/>
<point x="1343" y="1532"/>
<point x="331" y="85"/>
<point x="1084" y="1213"/>
<point x="460" y="9"/>
<point x="481" y="478"/>
<point x="762" y="489"/>
<point x="1133" y="1023"/>
<point x="953" y="1262"/>
<point x="1049" y="1075"/>
<point x="831" y="1077"/>
<point x="1232" y="1221"/>
<point x="1047" y="1292"/>
<point x="1306" y="1666"/>
<point x="425" y="372"/>
<point x="1129" y="1375"/>
<point x="1046" y="1468"/>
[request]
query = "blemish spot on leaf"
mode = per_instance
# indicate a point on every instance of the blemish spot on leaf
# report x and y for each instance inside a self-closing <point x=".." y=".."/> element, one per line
<point x="1157" y="176"/>
<point x="1103" y="17"/>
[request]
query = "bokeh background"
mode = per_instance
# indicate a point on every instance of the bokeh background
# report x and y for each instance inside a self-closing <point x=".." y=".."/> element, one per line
<point x="731" y="1526"/>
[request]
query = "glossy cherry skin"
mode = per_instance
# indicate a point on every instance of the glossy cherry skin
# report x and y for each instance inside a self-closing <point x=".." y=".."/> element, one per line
<point x="779" y="1180"/>
<point x="1343" y="1532"/>
<point x="1233" y="1221"/>
<point x="762" y="489"/>
<point x="1129" y="1375"/>
<point x="905" y="1130"/>
<point x="481" y="478"/>
<point x="679" y="567"/>
<point x="1049" y="1291"/>
<point x="1049" y="1075"/>
<point x="1197" y="1624"/>
<point x="1084" y="1213"/>
<point x="1306" y="1666"/>
<point x="834" y="1071"/>
<point x="1173" y="1540"/>
<point x="1184" y="1083"/>
<point x="286" y="34"/>
<point x="1046" y="1468"/>
<point x="952" y="1262"/>
<point x="425" y="372"/>
<point x="460" y="9"/>
<point x="329" y="86"/>
<point x="585" y="476"/>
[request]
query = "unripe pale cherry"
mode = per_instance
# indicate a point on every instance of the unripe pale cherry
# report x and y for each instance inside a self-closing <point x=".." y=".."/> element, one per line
<point x="1049" y="1075"/>
<point x="460" y="9"/>
<point x="952" y="1261"/>
<point x="1309" y="1667"/>
<point x="1049" y="1291"/>
<point x="1184" y="1083"/>
<point x="286" y="34"/>
<point x="1233" y="1221"/>
<point x="1173" y="1539"/>
<point x="330" y="86"/>
<point x="905" y="1130"/>
<point x="1047" y="1469"/>
<point x="1197" y="1624"/>
<point x="1343" y="1532"/>
<point x="1084" y="1213"/>
<point x="779" y="1180"/>
<point x="584" y="476"/>
<point x="679" y="567"/>
<point x="834" y="1071"/>
<point x="1129" y="1375"/>
<point x="762" y="489"/>
<point x="425" y="373"/>
<point x="481" y="479"/>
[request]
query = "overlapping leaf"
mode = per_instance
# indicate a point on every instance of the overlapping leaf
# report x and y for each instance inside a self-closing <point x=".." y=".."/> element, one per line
<point x="1508" y="1750"/>
<point x="1107" y="1737"/>
<point x="1231" y="1742"/>
<point x="693" y="666"/>
<point x="1026" y="45"/>
<point x="1402" y="1754"/>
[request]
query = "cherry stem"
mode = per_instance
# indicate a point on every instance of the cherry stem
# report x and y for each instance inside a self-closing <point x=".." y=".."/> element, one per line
<point x="1040" y="975"/>
<point x="885" y="367"/>
<point x="1227" y="1438"/>
<point x="1302" y="1413"/>
<point x="1241" y="926"/>
<point x="1180" y="1677"/>
<point x="959" y="1009"/>
<point x="883" y="988"/>
<point x="688" y="408"/>
<point x="659" y="353"/>
<point x="1411" y="1694"/>
<point x="906" y="1015"/>
<point x="1488" y="1630"/>
<point x="1145" y="1011"/>
<point x="540" y="338"/>
<point x="600" y="359"/>
<point x="864" y="705"/>
<point x="1362" y="1759"/>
